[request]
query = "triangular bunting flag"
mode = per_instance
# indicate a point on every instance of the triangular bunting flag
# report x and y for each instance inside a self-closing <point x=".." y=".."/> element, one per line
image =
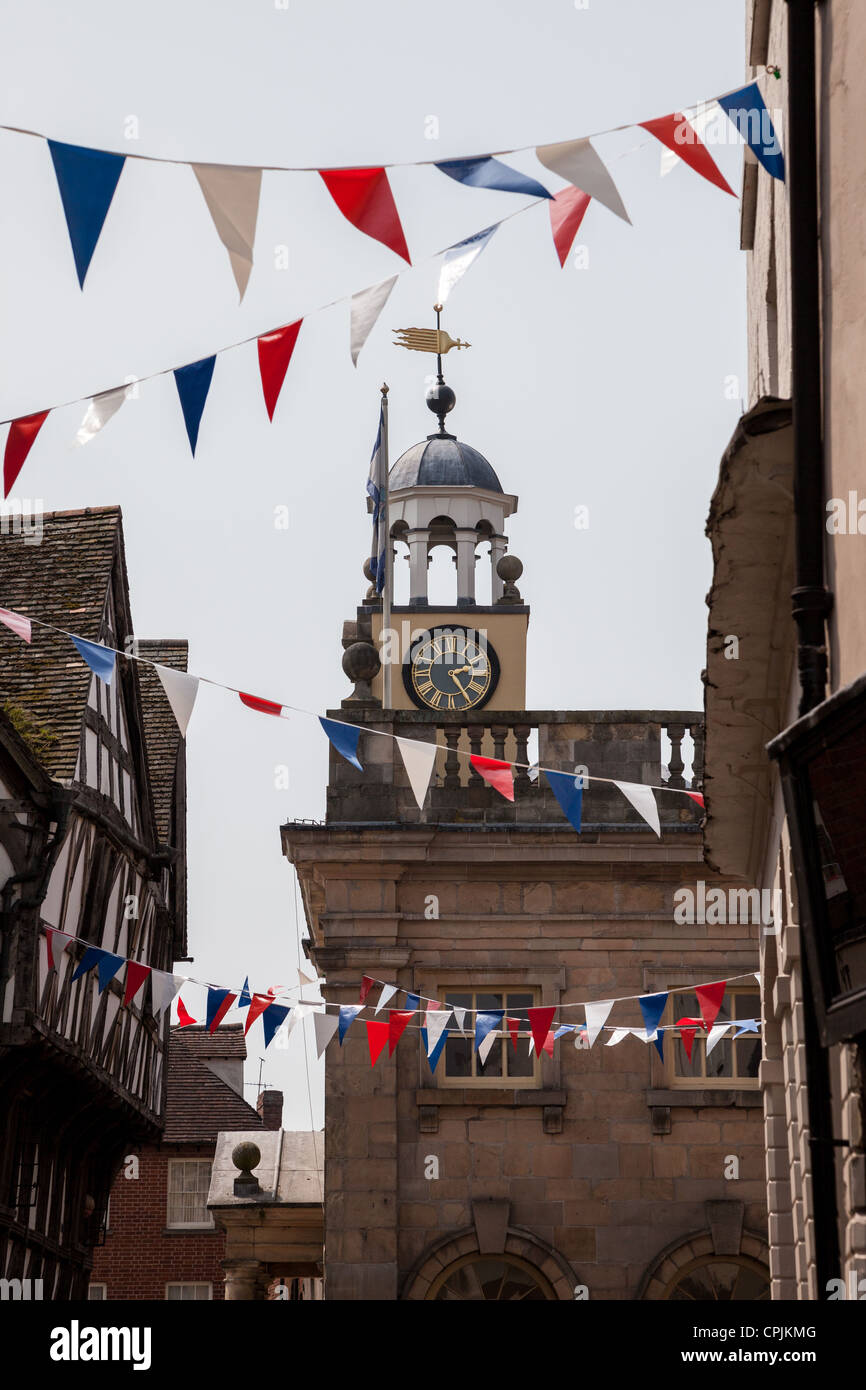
<point x="377" y="1036"/>
<point x="348" y="1014"/>
<point x="457" y="259"/>
<point x="232" y="197"/>
<point x="263" y="706"/>
<point x="747" y="112"/>
<point x="717" y="1031"/>
<point x="568" y="791"/>
<point x="344" y="738"/>
<point x="681" y="137"/>
<point x="366" y="306"/>
<point x="709" y="999"/>
<point x="272" y="1018"/>
<point x="193" y="383"/>
<point x="459" y="1017"/>
<point x="418" y="759"/>
<point x="596" y="1017"/>
<point x="539" y="1022"/>
<point x="513" y="1025"/>
<point x="497" y="773"/>
<point x="184" y="1017"/>
<point x="219" y="1001"/>
<point x="181" y="690"/>
<point x="135" y="977"/>
<point x="547" y="1046"/>
<point x="307" y="980"/>
<point x="487" y="172"/>
<point x="567" y="211"/>
<point x="92" y="956"/>
<point x="19" y="441"/>
<point x="617" y="1036"/>
<point x="366" y="985"/>
<point x="485" y="1022"/>
<point x="578" y="162"/>
<point x="55" y="941"/>
<point x="644" y="802"/>
<point x="245" y="998"/>
<point x="365" y="199"/>
<point x="486" y="1045"/>
<point x="397" y="1020"/>
<point x="275" y="354"/>
<point x="99" y="412"/>
<point x="17" y="623"/>
<point x="435" y="1028"/>
<point x="696" y="796"/>
<point x="652" y="1006"/>
<point x="163" y="987"/>
<point x="659" y="1043"/>
<point x="100" y="659"/>
<point x="412" y="1001"/>
<point x="257" y="1006"/>
<point x="326" y="1026"/>
<point x="87" y="180"/>
<point x="688" y="1027"/>
<point x="388" y="992"/>
<point x="745" y="1025"/>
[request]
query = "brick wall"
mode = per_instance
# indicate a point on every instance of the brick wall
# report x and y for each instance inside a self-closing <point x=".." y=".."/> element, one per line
<point x="140" y="1256"/>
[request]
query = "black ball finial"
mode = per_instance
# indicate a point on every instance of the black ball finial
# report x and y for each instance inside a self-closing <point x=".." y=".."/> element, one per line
<point x="441" y="400"/>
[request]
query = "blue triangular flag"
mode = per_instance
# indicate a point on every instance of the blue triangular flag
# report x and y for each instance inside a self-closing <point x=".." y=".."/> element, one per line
<point x="485" y="1023"/>
<point x="659" y="1041"/>
<point x="652" y="1006"/>
<point x="440" y="1044"/>
<point x="744" y="1025"/>
<point x="566" y="1028"/>
<point x="487" y="172"/>
<point x="193" y="384"/>
<point x="568" y="791"/>
<point x="214" y="998"/>
<point x="273" y="1016"/>
<point x="87" y="180"/>
<point x="244" y="998"/>
<point x="100" y="659"/>
<point x="92" y="956"/>
<point x="108" y="968"/>
<point x="348" y="1014"/>
<point x="747" y="112"/>
<point x="344" y="738"/>
<point x="412" y="1001"/>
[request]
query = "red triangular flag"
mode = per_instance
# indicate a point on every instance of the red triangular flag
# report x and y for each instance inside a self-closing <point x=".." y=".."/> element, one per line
<point x="184" y="1019"/>
<point x="135" y="977"/>
<point x="397" y="1020"/>
<point x="539" y="1022"/>
<point x="365" y="199"/>
<point x="567" y="211"/>
<point x="709" y="999"/>
<point x="50" y="934"/>
<point x="688" y="1027"/>
<point x="257" y="1005"/>
<point x="497" y="773"/>
<point x="690" y="148"/>
<point x="275" y="354"/>
<point x="366" y="985"/>
<point x="18" y="443"/>
<point x="263" y="706"/>
<point x="696" y="796"/>
<point x="514" y="1029"/>
<point x="222" y="1011"/>
<point x="548" y="1044"/>
<point x="377" y="1036"/>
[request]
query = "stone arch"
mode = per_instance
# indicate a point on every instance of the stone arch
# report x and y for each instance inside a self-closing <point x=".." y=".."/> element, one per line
<point x="554" y="1274"/>
<point x="722" y="1243"/>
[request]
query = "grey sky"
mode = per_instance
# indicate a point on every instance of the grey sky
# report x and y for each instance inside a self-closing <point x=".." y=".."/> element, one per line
<point x="602" y="387"/>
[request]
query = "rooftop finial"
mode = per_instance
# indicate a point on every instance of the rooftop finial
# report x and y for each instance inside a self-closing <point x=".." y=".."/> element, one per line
<point x="440" y="398"/>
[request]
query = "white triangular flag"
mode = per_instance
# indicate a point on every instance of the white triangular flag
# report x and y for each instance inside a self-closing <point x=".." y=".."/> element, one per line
<point x="99" y="412"/>
<point x="435" y="1021"/>
<point x="643" y="800"/>
<point x="486" y="1044"/>
<point x="163" y="988"/>
<point x="298" y="1014"/>
<point x="579" y="163"/>
<point x="305" y="979"/>
<point x="232" y="196"/>
<point x="596" y="1018"/>
<point x="459" y="1017"/>
<point x="388" y="992"/>
<point x="180" y="690"/>
<point x="367" y="305"/>
<point x="617" y="1036"/>
<point x="717" y="1031"/>
<point x="458" y="258"/>
<point x="418" y="760"/>
<point x="325" y="1026"/>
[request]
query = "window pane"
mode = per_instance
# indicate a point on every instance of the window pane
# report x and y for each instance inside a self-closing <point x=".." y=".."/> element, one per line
<point x="748" y="1055"/>
<point x="458" y="1056"/>
<point x="463" y="1001"/>
<point x="493" y="1065"/>
<point x="682" y="1065"/>
<point x="719" y="1060"/>
<point x="521" y="1062"/>
<point x="518" y="1004"/>
<point x="488" y="1001"/>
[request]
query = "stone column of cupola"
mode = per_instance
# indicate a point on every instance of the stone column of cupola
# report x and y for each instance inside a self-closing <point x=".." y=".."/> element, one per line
<point x="498" y="547"/>
<point x="418" y="541"/>
<point x="466" y="543"/>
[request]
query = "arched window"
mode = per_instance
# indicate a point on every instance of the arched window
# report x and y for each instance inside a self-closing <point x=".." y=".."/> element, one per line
<point x="731" y="1278"/>
<point x="490" y="1279"/>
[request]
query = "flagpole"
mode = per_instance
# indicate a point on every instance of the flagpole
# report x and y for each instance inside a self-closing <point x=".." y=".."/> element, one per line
<point x="389" y="559"/>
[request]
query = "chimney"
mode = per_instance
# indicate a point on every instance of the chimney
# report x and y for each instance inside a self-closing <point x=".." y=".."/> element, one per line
<point x="270" y="1107"/>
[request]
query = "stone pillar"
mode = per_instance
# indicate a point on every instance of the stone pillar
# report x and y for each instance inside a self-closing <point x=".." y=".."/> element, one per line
<point x="466" y="543"/>
<point x="498" y="547"/>
<point x="244" y="1279"/>
<point x="417" y="542"/>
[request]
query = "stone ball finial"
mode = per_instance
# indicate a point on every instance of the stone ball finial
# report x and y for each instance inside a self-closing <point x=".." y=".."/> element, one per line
<point x="361" y="661"/>
<point x="368" y="571"/>
<point x="509" y="568"/>
<point x="246" y="1156"/>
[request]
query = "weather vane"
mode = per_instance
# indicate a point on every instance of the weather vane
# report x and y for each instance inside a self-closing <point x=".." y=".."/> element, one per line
<point x="440" y="398"/>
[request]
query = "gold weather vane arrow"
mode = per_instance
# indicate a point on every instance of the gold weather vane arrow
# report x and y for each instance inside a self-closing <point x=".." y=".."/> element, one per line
<point x="428" y="339"/>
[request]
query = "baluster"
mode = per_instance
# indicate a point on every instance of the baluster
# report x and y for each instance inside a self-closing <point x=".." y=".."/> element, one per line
<point x="697" y="733"/>
<point x="675" y="733"/>
<point x="521" y="774"/>
<point x="452" y="762"/>
<point x="476" y="734"/>
<point x="500" y="734"/>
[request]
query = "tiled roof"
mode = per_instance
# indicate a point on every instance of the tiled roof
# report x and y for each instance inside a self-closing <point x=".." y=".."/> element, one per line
<point x="198" y="1104"/>
<point x="161" y="734"/>
<point x="227" y="1041"/>
<point x="62" y="580"/>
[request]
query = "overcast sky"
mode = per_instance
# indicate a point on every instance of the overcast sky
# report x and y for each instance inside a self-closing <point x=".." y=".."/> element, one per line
<point x="608" y="386"/>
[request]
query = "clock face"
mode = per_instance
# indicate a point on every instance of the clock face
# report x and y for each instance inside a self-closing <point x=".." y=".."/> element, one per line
<point x="450" y="669"/>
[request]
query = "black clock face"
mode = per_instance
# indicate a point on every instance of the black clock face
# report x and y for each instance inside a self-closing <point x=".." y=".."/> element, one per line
<point x="451" y="669"/>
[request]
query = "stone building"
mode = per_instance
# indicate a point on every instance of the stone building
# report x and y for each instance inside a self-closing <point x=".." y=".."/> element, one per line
<point x="609" y="1169"/>
<point x="786" y="748"/>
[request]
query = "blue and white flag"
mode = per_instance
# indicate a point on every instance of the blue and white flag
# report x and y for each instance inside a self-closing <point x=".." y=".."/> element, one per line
<point x="377" y="486"/>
